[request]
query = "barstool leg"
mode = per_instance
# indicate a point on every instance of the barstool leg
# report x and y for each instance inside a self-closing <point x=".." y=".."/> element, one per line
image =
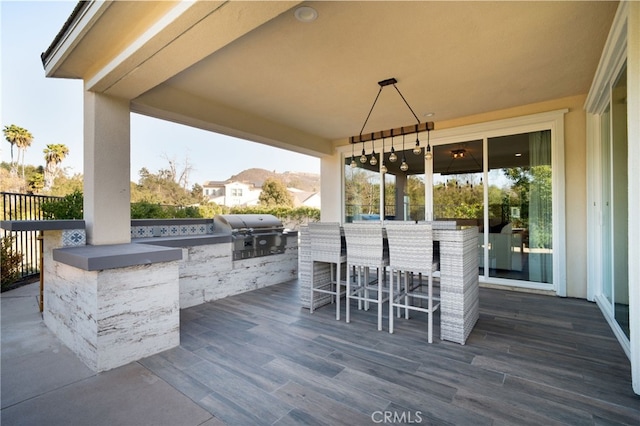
<point x="406" y="297"/>
<point x="430" y="303"/>
<point x="347" y="310"/>
<point x="367" y="278"/>
<point x="380" y="282"/>
<point x="313" y="264"/>
<point x="391" y="301"/>
<point x="338" y="288"/>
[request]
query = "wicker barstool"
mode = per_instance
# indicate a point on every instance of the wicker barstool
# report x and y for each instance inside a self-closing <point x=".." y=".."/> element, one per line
<point x="366" y="250"/>
<point x="327" y="246"/>
<point x="411" y="252"/>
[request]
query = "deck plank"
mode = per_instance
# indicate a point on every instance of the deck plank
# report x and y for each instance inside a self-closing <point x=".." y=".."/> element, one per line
<point x="259" y="358"/>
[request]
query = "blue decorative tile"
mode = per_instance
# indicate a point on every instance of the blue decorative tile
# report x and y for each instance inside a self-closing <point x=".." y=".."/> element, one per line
<point x="173" y="230"/>
<point x="74" y="237"/>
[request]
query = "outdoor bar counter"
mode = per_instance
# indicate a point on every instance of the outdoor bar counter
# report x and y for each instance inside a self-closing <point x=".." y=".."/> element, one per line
<point x="459" y="285"/>
<point x="114" y="304"/>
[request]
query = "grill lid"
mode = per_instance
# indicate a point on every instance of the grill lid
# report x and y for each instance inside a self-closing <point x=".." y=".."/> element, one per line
<point x="235" y="222"/>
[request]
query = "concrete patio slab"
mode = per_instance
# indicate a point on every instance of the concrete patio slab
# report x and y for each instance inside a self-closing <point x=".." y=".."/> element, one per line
<point x="43" y="382"/>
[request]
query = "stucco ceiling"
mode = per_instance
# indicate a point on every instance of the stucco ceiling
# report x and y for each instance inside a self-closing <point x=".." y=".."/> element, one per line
<point x="309" y="86"/>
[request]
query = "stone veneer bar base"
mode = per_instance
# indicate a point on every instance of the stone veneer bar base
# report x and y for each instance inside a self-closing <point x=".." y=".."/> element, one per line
<point x="459" y="285"/>
<point x="208" y="271"/>
<point x="110" y="317"/>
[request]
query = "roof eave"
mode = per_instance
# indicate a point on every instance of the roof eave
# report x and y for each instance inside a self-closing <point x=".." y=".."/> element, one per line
<point x="82" y="18"/>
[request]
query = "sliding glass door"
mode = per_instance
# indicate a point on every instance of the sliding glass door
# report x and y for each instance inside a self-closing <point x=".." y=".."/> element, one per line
<point x="614" y="193"/>
<point x="520" y="207"/>
<point x="507" y="180"/>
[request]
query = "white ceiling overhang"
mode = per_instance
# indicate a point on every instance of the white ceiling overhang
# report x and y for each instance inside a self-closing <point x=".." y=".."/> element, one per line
<point x="250" y="69"/>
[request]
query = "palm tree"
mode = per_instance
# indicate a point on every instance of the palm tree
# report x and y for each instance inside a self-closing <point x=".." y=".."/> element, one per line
<point x="53" y="155"/>
<point x="20" y="137"/>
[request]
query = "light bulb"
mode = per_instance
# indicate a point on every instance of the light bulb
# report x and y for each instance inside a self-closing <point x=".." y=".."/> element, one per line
<point x="373" y="160"/>
<point x="393" y="157"/>
<point x="428" y="155"/>
<point x="383" y="168"/>
<point x="416" y="149"/>
<point x="404" y="166"/>
<point x="363" y="157"/>
<point x="353" y="162"/>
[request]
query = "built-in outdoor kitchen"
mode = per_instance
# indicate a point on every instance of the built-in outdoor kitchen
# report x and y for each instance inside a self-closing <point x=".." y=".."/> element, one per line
<point x="113" y="304"/>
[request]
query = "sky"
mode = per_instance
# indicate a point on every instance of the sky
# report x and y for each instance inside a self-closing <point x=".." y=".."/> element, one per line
<point x="51" y="109"/>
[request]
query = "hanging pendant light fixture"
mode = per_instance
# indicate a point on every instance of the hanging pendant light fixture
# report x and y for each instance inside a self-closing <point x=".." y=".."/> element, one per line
<point x="374" y="159"/>
<point x="403" y="166"/>
<point x="383" y="168"/>
<point x="392" y="157"/>
<point x="363" y="157"/>
<point x="427" y="152"/>
<point x="417" y="150"/>
<point x="416" y="128"/>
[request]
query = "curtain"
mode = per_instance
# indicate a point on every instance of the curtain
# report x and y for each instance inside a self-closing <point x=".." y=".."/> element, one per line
<point x="540" y="208"/>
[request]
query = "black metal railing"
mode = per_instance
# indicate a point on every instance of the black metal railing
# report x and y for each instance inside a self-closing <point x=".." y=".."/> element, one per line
<point x="25" y="207"/>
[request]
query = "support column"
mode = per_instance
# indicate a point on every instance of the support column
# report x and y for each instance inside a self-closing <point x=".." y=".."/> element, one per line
<point x="401" y="187"/>
<point x="331" y="188"/>
<point x="107" y="196"/>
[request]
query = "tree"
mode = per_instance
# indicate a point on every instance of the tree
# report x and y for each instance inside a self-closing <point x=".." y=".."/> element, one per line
<point x="53" y="155"/>
<point x="274" y="193"/>
<point x="21" y="138"/>
<point x="181" y="177"/>
<point x="161" y="188"/>
<point x="35" y="183"/>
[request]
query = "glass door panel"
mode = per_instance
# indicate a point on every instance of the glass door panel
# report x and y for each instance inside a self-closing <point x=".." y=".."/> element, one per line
<point x="620" y="213"/>
<point x="458" y="186"/>
<point x="520" y="210"/>
<point x="361" y="190"/>
<point x="607" y="253"/>
<point x="404" y="189"/>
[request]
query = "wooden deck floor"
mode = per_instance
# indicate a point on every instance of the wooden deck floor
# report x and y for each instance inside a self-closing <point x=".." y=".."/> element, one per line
<point x="261" y="359"/>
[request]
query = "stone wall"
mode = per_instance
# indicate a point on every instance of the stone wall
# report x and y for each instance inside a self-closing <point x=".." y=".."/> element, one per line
<point x="207" y="272"/>
<point x="114" y="316"/>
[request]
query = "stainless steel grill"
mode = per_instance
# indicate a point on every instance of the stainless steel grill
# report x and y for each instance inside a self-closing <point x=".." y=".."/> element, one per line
<point x="253" y="235"/>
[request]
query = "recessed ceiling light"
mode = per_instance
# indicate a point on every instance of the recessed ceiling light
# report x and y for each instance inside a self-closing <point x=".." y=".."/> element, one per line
<point x="306" y="14"/>
<point x="429" y="114"/>
<point x="518" y="154"/>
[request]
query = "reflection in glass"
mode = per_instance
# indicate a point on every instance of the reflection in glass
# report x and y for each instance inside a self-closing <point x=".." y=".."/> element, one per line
<point x="362" y="192"/>
<point x="520" y="232"/>
<point x="404" y="190"/>
<point x="620" y="186"/>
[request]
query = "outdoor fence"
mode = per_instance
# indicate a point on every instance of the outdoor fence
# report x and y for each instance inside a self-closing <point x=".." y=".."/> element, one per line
<point x="24" y="207"/>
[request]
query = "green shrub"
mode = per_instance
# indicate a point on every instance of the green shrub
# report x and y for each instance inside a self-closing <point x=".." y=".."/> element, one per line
<point x="68" y="207"/>
<point x="11" y="261"/>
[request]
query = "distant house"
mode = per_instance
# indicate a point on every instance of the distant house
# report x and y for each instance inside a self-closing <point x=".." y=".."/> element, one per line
<point x="231" y="193"/>
<point x="241" y="194"/>
<point x="305" y="198"/>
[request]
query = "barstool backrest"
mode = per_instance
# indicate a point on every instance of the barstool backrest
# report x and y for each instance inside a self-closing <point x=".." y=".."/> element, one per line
<point x="326" y="241"/>
<point x="365" y="245"/>
<point x="410" y="247"/>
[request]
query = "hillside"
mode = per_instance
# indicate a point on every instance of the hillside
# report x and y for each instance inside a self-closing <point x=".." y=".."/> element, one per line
<point x="305" y="181"/>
